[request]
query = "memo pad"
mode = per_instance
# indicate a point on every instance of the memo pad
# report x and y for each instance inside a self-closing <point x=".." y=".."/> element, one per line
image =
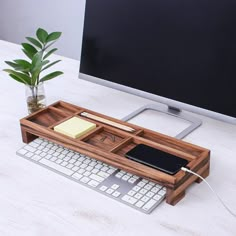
<point x="74" y="127"/>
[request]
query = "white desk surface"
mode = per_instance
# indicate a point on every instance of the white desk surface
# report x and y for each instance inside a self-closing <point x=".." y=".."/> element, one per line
<point x="36" y="201"/>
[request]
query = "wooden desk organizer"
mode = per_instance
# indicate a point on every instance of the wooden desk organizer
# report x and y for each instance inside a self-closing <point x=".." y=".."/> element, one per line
<point x="109" y="144"/>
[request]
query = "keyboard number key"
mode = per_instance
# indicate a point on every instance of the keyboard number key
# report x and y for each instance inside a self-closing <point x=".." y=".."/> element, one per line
<point x="103" y="188"/>
<point x="115" y="186"/>
<point x="131" y="193"/>
<point x="139" y="204"/>
<point x="128" y="199"/>
<point x="110" y="191"/>
<point x="149" y="205"/>
<point x="116" y="194"/>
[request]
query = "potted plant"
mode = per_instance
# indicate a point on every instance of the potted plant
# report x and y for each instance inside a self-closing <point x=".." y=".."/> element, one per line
<point x="30" y="72"/>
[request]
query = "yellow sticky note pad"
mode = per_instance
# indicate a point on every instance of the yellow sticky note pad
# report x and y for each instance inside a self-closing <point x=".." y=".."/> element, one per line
<point x="74" y="127"/>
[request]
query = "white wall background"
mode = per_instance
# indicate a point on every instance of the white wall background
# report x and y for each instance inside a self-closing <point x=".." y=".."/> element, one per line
<point x="21" y="18"/>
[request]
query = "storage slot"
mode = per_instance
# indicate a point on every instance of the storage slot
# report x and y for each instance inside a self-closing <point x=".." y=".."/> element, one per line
<point x="66" y="108"/>
<point x="104" y="139"/>
<point x="47" y="117"/>
<point x="170" y="143"/>
<point x="130" y="144"/>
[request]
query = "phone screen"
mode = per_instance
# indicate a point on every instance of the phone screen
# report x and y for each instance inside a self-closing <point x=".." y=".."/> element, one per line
<point x="157" y="159"/>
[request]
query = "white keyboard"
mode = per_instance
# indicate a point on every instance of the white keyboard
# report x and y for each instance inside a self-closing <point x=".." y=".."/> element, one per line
<point x="125" y="187"/>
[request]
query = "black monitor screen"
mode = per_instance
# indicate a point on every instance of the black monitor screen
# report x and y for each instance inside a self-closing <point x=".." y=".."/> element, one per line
<point x="180" y="49"/>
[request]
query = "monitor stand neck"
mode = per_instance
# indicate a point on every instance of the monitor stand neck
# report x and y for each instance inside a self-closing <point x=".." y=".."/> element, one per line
<point x="194" y="122"/>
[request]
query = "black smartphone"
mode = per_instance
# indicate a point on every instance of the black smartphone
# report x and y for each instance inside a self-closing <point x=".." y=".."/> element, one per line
<point x="157" y="159"/>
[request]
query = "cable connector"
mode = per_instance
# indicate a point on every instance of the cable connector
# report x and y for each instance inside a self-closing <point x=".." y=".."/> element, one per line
<point x="221" y="201"/>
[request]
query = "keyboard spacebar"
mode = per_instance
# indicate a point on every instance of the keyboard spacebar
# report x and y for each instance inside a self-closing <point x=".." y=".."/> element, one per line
<point x="57" y="167"/>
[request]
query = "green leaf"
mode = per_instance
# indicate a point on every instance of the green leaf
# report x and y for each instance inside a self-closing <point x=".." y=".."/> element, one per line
<point x="51" y="64"/>
<point x="16" y="78"/>
<point x="45" y="62"/>
<point x="29" y="50"/>
<point x="51" y="76"/>
<point x="42" y="35"/>
<point x="49" y="53"/>
<point x="19" y="65"/>
<point x="23" y="77"/>
<point x="36" y="66"/>
<point x="12" y="64"/>
<point x="53" y="36"/>
<point x="35" y="42"/>
<point x="23" y="63"/>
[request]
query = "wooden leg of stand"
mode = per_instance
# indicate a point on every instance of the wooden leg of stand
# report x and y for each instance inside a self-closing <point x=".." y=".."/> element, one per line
<point x="27" y="137"/>
<point x="172" y="198"/>
<point x="204" y="175"/>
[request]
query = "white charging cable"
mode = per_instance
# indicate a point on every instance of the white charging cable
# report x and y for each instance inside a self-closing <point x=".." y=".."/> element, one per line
<point x="227" y="208"/>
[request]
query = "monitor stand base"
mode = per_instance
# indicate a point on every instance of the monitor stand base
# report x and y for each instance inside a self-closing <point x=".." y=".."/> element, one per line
<point x="195" y="122"/>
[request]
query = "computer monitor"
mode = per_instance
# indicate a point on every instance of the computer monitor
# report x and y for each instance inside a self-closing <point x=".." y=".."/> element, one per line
<point x="178" y="52"/>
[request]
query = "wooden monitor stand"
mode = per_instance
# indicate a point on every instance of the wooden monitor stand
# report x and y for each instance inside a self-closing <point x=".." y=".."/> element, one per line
<point x="109" y="144"/>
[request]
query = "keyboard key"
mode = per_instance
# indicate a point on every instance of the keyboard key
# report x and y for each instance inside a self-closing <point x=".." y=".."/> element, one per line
<point x="141" y="184"/>
<point x="139" y="204"/>
<point x="22" y="151"/>
<point x="49" y="156"/>
<point x="85" y="180"/>
<point x="56" y="167"/>
<point x="86" y="173"/>
<point x="105" y="168"/>
<point x="66" y="158"/>
<point x="72" y="161"/>
<point x="59" y="161"/>
<point x="43" y="154"/>
<point x="110" y="171"/>
<point x="83" y="166"/>
<point x="64" y="163"/>
<point x="36" y="157"/>
<point x="69" y="166"/>
<point x="150" y="194"/>
<point x="81" y="171"/>
<point x="155" y="190"/>
<point x="149" y="204"/>
<point x="157" y="197"/>
<point x="103" y="174"/>
<point x="34" y="144"/>
<point x="110" y="191"/>
<point x="116" y="194"/>
<point x="29" y="154"/>
<point x="115" y="186"/>
<point x="54" y="159"/>
<point x="97" y="178"/>
<point x="130" y="200"/>
<point x="77" y="176"/>
<point x="131" y="193"/>
<point x="132" y="180"/>
<point x="145" y="198"/>
<point x="125" y="177"/>
<point x="162" y="192"/>
<point x="118" y="175"/>
<point x="103" y="188"/>
<point x="143" y="191"/>
<point x="30" y="149"/>
<point x="75" y="168"/>
<point x="136" y="188"/>
<point x="93" y="183"/>
<point x="65" y="152"/>
<point x="138" y="195"/>
<point x="95" y="171"/>
<point x="148" y="186"/>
